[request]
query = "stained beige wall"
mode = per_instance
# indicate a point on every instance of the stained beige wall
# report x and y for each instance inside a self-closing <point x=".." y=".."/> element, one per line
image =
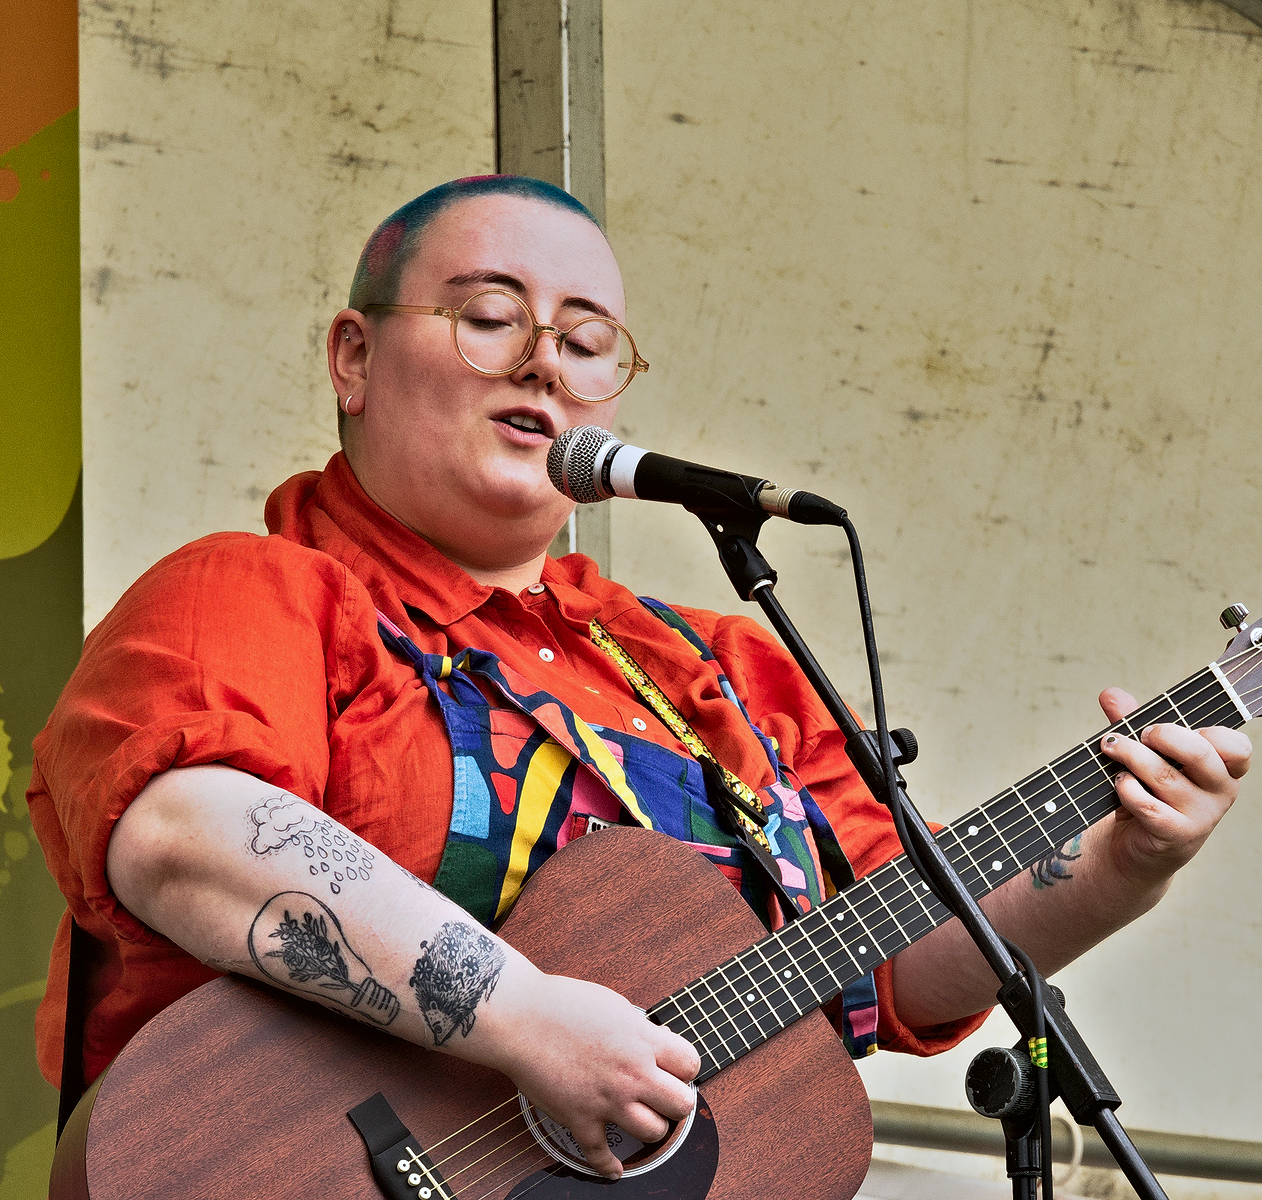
<point x="988" y="274"/>
<point x="235" y="156"/>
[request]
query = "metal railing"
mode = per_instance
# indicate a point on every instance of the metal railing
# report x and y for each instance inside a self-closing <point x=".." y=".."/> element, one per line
<point x="968" y="1133"/>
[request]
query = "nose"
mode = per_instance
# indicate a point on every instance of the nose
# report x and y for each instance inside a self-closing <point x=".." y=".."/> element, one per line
<point x="544" y="361"/>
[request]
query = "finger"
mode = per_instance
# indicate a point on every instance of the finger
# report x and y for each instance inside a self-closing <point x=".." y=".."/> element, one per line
<point x="679" y="1056"/>
<point x="669" y="1096"/>
<point x="1117" y="704"/>
<point x="1233" y="746"/>
<point x="591" y="1140"/>
<point x="1159" y="819"/>
<point x="1176" y="765"/>
<point x="640" y="1121"/>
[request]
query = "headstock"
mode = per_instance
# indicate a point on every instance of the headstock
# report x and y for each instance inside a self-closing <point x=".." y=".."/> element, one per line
<point x="1241" y="663"/>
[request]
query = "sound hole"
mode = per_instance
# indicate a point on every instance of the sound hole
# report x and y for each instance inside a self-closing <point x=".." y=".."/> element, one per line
<point x="635" y="1156"/>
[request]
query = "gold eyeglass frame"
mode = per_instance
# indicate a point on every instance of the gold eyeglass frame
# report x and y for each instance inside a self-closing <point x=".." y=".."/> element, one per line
<point x="636" y="366"/>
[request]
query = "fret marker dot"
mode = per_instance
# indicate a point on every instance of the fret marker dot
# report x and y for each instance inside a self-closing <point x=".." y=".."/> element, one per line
<point x="996" y="865"/>
<point x="750" y="998"/>
<point x="972" y="831"/>
<point x="863" y="949"/>
<point x="788" y="974"/>
<point x="1050" y="806"/>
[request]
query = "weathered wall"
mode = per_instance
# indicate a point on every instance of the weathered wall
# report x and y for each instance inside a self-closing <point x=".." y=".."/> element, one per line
<point x="987" y="275"/>
<point x="235" y="157"/>
<point x="984" y="273"/>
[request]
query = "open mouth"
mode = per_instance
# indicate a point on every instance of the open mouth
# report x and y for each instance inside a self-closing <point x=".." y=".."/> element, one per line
<point x="526" y="422"/>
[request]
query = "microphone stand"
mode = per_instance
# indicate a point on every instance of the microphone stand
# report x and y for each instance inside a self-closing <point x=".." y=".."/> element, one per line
<point x="1076" y="1075"/>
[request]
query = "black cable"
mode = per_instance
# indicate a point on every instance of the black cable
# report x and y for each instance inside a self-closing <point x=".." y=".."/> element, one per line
<point x="894" y="801"/>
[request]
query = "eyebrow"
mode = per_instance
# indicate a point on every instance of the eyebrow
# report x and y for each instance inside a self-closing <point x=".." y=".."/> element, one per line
<point x="502" y="279"/>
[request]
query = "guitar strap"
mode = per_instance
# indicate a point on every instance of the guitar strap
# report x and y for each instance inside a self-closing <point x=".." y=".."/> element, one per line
<point x="76" y="1012"/>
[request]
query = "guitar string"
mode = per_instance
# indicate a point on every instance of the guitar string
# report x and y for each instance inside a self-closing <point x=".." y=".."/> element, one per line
<point x="521" y="1172"/>
<point x="897" y="863"/>
<point x="1210" y="686"/>
<point x="469" y="1124"/>
<point x="549" y="1173"/>
<point x="468" y="1146"/>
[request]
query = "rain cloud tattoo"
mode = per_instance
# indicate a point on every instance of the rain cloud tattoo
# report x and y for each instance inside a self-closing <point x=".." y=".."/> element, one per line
<point x="1053" y="868"/>
<point x="306" y="955"/>
<point x="455" y="971"/>
<point x="334" y="855"/>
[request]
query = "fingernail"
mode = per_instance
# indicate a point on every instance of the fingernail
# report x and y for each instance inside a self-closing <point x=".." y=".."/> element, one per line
<point x="1143" y="733"/>
<point x="1108" y="741"/>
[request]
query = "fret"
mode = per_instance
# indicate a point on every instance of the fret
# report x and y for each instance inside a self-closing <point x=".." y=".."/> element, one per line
<point x="874" y="918"/>
<point x="768" y="986"/>
<point x="792" y="937"/>
<point x="763" y="979"/>
<point x="786" y="974"/>
<point x="973" y="848"/>
<point x="909" y="890"/>
<point x="722" y="1015"/>
<point x="824" y="944"/>
<point x="883" y="923"/>
<point x="752" y="996"/>
<point x="859" y="946"/>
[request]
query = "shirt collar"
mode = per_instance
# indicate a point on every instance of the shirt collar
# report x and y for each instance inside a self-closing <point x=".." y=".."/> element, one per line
<point x="330" y="511"/>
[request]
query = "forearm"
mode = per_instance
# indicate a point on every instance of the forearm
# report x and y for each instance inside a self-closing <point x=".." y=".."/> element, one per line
<point x="1056" y="911"/>
<point x="250" y="879"/>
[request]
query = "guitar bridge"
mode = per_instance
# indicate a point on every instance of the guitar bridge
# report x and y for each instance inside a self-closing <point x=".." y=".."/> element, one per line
<point x="402" y="1171"/>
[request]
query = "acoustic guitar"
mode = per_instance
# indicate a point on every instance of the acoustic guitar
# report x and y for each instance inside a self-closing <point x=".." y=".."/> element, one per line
<point x="237" y="1090"/>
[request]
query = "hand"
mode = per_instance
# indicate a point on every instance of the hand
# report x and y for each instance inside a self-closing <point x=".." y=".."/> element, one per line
<point x="1168" y="811"/>
<point x="587" y="1056"/>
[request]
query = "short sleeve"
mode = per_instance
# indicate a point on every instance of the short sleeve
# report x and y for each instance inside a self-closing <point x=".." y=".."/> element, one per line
<point x="226" y="652"/>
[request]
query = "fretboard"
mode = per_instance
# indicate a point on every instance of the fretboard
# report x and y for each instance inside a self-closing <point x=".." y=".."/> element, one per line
<point x="741" y="1003"/>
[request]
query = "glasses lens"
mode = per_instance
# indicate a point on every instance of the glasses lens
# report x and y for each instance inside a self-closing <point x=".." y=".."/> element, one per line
<point x="596" y="359"/>
<point x="494" y="331"/>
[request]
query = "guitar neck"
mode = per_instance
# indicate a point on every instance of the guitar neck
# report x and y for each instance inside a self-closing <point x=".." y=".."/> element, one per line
<point x="741" y="1003"/>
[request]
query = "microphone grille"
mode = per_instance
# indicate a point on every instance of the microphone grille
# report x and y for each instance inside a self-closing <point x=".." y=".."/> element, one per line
<point x="573" y="458"/>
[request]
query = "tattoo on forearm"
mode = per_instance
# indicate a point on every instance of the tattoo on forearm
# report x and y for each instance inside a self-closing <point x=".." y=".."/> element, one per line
<point x="298" y="942"/>
<point x="334" y="855"/>
<point x="1053" y="868"/>
<point x="420" y="883"/>
<point x="457" y="970"/>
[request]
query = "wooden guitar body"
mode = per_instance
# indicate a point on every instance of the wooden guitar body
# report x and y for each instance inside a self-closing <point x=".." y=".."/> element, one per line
<point x="239" y="1091"/>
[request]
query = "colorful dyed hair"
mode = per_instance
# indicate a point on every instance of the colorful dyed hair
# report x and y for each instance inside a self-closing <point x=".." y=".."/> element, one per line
<point x="394" y="241"/>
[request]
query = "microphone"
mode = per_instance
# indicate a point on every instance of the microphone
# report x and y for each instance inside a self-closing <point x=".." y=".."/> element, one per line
<point x="589" y="464"/>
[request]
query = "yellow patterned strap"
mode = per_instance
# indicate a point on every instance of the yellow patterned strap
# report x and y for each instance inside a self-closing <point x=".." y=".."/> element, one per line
<point x="670" y="716"/>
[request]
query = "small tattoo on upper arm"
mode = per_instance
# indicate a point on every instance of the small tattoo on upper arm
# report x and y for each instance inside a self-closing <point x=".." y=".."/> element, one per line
<point x="1053" y="868"/>
<point x="297" y="941"/>
<point x="457" y="970"/>
<point x="335" y="856"/>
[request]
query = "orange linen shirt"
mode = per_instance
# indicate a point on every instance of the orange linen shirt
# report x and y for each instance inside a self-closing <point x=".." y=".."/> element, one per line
<point x="262" y="653"/>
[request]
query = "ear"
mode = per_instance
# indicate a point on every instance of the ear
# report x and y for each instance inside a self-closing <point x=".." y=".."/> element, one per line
<point x="348" y="359"/>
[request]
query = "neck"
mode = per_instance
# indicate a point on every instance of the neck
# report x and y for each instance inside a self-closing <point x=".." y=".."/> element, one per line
<point x="512" y="579"/>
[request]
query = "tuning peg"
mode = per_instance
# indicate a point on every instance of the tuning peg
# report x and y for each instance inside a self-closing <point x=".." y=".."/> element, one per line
<point x="1234" y="617"/>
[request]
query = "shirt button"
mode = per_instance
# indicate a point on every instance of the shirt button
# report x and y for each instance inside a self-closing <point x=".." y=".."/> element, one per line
<point x="535" y="588"/>
<point x="638" y="723"/>
<point x="546" y="654"/>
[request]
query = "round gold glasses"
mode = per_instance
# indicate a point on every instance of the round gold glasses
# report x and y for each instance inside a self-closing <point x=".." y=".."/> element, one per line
<point x="495" y="331"/>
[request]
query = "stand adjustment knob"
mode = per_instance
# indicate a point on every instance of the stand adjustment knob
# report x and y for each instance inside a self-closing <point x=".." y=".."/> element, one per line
<point x="906" y="745"/>
<point x="1234" y="616"/>
<point x="1000" y="1082"/>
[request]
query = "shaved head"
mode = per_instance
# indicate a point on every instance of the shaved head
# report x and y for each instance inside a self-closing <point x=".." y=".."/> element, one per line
<point x="394" y="242"/>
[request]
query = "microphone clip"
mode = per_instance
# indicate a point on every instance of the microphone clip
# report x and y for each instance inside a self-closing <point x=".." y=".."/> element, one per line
<point x="736" y="536"/>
